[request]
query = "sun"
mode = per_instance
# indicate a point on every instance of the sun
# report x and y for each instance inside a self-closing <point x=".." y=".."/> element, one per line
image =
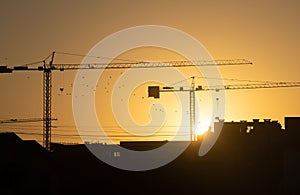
<point x="202" y="127"/>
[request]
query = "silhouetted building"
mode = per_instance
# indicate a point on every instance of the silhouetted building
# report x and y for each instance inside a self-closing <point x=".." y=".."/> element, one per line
<point x="292" y="127"/>
<point x="25" y="167"/>
<point x="292" y="155"/>
<point x="248" y="157"/>
<point x="142" y="145"/>
<point x="252" y="152"/>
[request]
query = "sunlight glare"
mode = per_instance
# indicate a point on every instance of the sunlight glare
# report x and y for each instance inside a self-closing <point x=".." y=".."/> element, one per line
<point x="202" y="127"/>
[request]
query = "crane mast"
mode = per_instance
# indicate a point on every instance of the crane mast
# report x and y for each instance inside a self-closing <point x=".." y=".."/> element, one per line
<point x="47" y="89"/>
<point x="192" y="108"/>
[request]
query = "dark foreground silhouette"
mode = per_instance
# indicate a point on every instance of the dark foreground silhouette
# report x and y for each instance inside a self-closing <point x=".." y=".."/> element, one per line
<point x="249" y="157"/>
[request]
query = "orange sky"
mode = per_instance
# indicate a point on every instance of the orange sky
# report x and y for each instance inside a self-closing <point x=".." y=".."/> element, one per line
<point x="265" y="32"/>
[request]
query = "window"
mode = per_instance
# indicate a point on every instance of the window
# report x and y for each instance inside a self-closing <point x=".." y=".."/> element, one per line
<point x="117" y="154"/>
<point x="249" y="128"/>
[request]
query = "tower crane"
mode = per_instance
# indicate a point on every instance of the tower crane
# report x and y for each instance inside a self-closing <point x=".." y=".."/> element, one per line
<point x="47" y="69"/>
<point x="154" y="91"/>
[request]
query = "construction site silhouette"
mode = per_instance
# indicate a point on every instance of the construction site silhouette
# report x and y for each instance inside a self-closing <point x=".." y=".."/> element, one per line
<point x="257" y="156"/>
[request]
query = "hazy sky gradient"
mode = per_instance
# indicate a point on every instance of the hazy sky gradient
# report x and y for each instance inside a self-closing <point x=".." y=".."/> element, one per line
<point x="265" y="32"/>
